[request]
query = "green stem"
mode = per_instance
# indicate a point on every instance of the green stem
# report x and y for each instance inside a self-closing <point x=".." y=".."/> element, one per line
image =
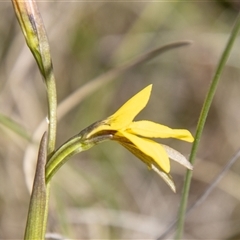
<point x="52" y="112"/>
<point x="70" y="148"/>
<point x="49" y="78"/>
<point x="201" y="123"/>
<point x="52" y="127"/>
<point x="74" y="145"/>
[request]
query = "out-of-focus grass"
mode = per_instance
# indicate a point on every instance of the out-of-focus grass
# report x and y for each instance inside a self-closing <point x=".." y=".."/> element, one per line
<point x="106" y="192"/>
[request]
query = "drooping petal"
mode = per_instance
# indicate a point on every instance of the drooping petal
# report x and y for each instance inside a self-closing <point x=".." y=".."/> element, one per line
<point x="166" y="177"/>
<point x="155" y="151"/>
<point x="155" y="130"/>
<point x="177" y="156"/>
<point x="125" y="114"/>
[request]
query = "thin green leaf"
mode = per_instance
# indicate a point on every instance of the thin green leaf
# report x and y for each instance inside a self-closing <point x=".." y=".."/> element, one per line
<point x="35" y="228"/>
<point x="201" y="123"/>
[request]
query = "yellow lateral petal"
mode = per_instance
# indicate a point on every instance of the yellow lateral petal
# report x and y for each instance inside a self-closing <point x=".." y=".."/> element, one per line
<point x="152" y="149"/>
<point x="148" y="160"/>
<point x="155" y="130"/>
<point x="125" y="114"/>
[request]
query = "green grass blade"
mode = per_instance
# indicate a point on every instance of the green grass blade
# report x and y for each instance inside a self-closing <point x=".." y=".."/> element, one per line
<point x="201" y="123"/>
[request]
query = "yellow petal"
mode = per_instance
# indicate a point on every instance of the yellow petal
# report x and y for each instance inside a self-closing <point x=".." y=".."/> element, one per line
<point x="155" y="130"/>
<point x="151" y="149"/>
<point x="125" y="114"/>
<point x="148" y="160"/>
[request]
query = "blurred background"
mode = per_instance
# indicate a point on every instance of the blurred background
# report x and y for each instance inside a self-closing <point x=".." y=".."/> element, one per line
<point x="106" y="192"/>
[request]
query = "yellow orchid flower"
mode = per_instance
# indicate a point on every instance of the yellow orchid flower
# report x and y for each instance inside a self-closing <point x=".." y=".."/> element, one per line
<point x="134" y="135"/>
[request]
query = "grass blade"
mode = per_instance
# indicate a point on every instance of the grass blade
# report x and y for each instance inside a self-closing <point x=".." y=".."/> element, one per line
<point x="201" y="123"/>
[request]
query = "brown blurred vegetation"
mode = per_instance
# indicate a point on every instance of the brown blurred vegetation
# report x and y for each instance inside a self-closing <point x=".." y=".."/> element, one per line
<point x="106" y="193"/>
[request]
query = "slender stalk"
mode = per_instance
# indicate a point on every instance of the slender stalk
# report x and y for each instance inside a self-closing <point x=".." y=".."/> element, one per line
<point x="68" y="149"/>
<point x="201" y="123"/>
<point x="52" y="129"/>
<point x="74" y="145"/>
<point x="52" y="112"/>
